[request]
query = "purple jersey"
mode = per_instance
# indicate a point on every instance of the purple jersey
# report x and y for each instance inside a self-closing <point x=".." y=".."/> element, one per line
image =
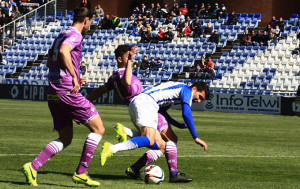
<point x="60" y="80"/>
<point x="125" y="92"/>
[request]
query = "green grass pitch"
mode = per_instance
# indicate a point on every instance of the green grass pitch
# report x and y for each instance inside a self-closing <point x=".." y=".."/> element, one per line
<point x="244" y="150"/>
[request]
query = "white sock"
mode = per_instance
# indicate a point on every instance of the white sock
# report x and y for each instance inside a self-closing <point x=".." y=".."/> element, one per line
<point x="132" y="133"/>
<point x="127" y="145"/>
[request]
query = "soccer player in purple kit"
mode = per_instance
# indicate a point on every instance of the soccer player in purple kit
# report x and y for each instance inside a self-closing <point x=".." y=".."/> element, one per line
<point x="128" y="86"/>
<point x="66" y="103"/>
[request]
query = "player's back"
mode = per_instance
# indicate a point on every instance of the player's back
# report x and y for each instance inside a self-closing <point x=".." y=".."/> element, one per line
<point x="168" y="93"/>
<point x="60" y="80"/>
<point x="125" y="92"/>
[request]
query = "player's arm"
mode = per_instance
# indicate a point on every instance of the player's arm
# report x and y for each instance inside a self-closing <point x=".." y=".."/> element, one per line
<point x="65" y="54"/>
<point x="172" y="121"/>
<point x="126" y="79"/>
<point x="49" y="59"/>
<point x="188" y="119"/>
<point x="97" y="93"/>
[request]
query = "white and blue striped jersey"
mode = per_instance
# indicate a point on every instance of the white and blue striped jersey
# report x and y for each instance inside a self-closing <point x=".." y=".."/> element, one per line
<point x="169" y="93"/>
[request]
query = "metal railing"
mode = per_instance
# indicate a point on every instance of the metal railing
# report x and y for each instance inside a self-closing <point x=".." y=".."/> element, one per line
<point x="25" y="23"/>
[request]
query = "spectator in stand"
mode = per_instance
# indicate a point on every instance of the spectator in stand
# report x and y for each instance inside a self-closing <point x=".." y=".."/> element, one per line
<point x="201" y="11"/>
<point x="184" y="10"/>
<point x="146" y="27"/>
<point x="208" y="30"/>
<point x="221" y="15"/>
<point x="272" y="39"/>
<point x="98" y="11"/>
<point x="3" y="20"/>
<point x="193" y="11"/>
<point x="165" y="11"/>
<point x="223" y="9"/>
<point x="298" y="36"/>
<point x="273" y="22"/>
<point x="196" y="28"/>
<point x="268" y="28"/>
<point x="86" y="3"/>
<point x="17" y="12"/>
<point x="145" y="64"/>
<point x="259" y="37"/>
<point x="136" y="11"/>
<point x="209" y="72"/>
<point x="208" y="11"/>
<point x="143" y="10"/>
<point x="82" y="68"/>
<point x="169" y="36"/>
<point x="246" y="38"/>
<point x="175" y="9"/>
<point x="160" y="34"/>
<point x="147" y="36"/>
<point x="158" y="11"/>
<point x="153" y="22"/>
<point x="168" y="20"/>
<point x="137" y="30"/>
<point x="152" y="63"/>
<point x="232" y="18"/>
<point x="150" y="10"/>
<point x="276" y="31"/>
<point x="281" y="24"/>
<point x="116" y="22"/>
<point x="184" y="31"/>
<point x="215" y="11"/>
<point x="253" y="39"/>
<point x="189" y="21"/>
<point x="214" y="38"/>
<point x="105" y="23"/>
<point x="178" y="20"/>
<point x="265" y="38"/>
<point x="130" y="22"/>
<point x="158" y="65"/>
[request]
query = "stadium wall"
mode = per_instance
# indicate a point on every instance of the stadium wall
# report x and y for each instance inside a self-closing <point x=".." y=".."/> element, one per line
<point x="219" y="102"/>
<point x="267" y="8"/>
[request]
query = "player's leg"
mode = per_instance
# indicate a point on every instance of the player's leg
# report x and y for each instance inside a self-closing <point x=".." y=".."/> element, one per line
<point x="170" y="137"/>
<point x="149" y="157"/>
<point x="64" y="125"/>
<point x="88" y="115"/>
<point x="123" y="132"/>
<point x="147" y="123"/>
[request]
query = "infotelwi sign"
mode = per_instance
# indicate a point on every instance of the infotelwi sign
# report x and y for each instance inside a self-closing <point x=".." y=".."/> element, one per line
<point x="223" y="102"/>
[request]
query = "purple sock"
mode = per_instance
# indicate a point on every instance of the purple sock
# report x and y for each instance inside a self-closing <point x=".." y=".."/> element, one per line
<point x="50" y="150"/>
<point x="89" y="148"/>
<point x="171" y="156"/>
<point x="149" y="157"/>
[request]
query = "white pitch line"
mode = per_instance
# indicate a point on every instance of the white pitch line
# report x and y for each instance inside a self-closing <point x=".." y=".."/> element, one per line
<point x="180" y="156"/>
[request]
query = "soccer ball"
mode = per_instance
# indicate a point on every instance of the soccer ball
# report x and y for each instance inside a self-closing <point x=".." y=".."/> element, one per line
<point x="153" y="174"/>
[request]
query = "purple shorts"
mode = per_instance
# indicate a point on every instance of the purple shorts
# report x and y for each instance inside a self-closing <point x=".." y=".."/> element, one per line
<point x="65" y="108"/>
<point x="162" y="123"/>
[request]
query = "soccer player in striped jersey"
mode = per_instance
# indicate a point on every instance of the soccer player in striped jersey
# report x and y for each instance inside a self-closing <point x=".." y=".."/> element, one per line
<point x="144" y="107"/>
<point x="128" y="86"/>
<point x="66" y="103"/>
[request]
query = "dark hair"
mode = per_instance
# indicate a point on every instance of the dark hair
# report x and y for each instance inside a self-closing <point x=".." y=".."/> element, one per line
<point x="81" y="13"/>
<point x="122" y="49"/>
<point x="202" y="86"/>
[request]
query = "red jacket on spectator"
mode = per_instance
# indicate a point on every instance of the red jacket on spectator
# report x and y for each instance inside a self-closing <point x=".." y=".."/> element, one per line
<point x="210" y="64"/>
<point x="184" y="11"/>
<point x="160" y="35"/>
<point x="187" y="31"/>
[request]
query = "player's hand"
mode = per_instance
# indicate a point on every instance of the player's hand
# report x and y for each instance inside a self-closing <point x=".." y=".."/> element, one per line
<point x="83" y="81"/>
<point x="201" y="143"/>
<point x="134" y="50"/>
<point x="76" y="86"/>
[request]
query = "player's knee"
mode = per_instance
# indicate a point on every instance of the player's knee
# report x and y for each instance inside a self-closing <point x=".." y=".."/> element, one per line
<point x="66" y="141"/>
<point x="98" y="130"/>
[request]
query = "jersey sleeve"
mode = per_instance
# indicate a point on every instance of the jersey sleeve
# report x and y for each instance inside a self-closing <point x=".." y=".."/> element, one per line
<point x="186" y="95"/>
<point x="73" y="40"/>
<point x="110" y="83"/>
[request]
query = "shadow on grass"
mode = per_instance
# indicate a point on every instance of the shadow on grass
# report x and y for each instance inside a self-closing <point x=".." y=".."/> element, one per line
<point x="40" y="184"/>
<point x="100" y="176"/>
